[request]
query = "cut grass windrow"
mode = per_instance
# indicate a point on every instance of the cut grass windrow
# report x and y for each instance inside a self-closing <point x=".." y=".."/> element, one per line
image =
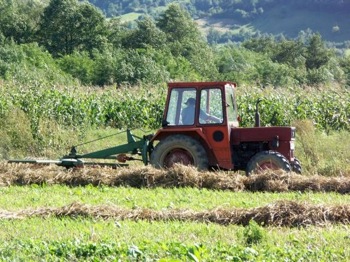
<point x="281" y="213"/>
<point x="179" y="176"/>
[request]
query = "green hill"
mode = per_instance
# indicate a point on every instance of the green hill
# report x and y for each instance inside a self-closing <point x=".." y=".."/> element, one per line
<point x="290" y="19"/>
<point x="236" y="19"/>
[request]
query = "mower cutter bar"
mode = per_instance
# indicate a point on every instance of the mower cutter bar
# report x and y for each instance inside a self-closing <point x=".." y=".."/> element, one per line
<point x="68" y="163"/>
<point x="34" y="161"/>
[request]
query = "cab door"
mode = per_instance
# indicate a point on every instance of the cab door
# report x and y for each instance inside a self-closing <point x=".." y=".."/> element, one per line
<point x="212" y="118"/>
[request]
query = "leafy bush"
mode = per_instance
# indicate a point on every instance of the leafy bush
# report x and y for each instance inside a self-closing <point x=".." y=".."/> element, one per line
<point x="78" y="65"/>
<point x="30" y="64"/>
<point x="140" y="65"/>
<point x="253" y="233"/>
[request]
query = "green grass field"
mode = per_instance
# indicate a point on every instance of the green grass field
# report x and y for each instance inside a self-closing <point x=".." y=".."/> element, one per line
<point x="17" y="197"/>
<point x="130" y="17"/>
<point x="91" y="239"/>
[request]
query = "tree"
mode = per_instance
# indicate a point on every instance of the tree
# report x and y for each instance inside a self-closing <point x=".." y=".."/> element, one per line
<point x="180" y="30"/>
<point x="265" y="44"/>
<point x="213" y="36"/>
<point x="289" y="52"/>
<point x="345" y="65"/>
<point x="18" y="19"/>
<point x="317" y="55"/>
<point x="67" y="26"/>
<point x="185" y="40"/>
<point x="146" y="34"/>
<point x="317" y="62"/>
<point x="117" y="32"/>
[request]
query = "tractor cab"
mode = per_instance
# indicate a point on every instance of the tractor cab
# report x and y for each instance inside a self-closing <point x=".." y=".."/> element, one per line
<point x="203" y="112"/>
<point x="198" y="104"/>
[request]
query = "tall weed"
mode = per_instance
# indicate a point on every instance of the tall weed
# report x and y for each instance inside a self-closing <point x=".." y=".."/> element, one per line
<point x="18" y="139"/>
<point x="322" y="153"/>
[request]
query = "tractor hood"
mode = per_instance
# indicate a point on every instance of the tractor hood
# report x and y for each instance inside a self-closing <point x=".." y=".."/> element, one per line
<point x="252" y="134"/>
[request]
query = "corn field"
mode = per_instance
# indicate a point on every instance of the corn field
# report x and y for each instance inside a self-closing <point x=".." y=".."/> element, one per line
<point x="142" y="107"/>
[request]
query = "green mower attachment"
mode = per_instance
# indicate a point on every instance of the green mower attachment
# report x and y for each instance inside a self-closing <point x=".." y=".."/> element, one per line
<point x="135" y="146"/>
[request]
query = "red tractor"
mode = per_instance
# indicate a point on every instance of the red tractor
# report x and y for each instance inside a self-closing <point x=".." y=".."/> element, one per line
<point x="200" y="127"/>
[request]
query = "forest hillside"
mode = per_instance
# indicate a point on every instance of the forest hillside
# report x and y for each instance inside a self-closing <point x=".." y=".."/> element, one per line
<point x="236" y="20"/>
<point x="64" y="41"/>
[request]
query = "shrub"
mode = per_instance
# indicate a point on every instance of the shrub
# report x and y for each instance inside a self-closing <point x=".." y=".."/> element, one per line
<point x="253" y="233"/>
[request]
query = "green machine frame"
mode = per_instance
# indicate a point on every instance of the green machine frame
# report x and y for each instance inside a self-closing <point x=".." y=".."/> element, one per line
<point x="135" y="146"/>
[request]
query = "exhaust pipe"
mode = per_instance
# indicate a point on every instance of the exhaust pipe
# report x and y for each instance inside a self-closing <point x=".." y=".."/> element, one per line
<point x="257" y="114"/>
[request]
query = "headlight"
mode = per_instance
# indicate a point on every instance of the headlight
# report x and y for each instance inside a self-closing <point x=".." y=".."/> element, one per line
<point x="292" y="146"/>
<point x="293" y="132"/>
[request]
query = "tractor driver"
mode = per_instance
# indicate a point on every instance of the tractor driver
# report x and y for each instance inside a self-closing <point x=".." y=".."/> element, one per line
<point x="187" y="114"/>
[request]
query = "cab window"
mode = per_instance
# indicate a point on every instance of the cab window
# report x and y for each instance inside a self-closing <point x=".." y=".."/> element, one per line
<point x="179" y="112"/>
<point x="211" y="106"/>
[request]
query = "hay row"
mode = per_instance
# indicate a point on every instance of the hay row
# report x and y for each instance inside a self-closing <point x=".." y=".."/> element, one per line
<point x="179" y="176"/>
<point x="282" y="213"/>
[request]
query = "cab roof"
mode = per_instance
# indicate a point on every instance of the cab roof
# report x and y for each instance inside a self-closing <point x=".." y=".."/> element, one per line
<point x="200" y="84"/>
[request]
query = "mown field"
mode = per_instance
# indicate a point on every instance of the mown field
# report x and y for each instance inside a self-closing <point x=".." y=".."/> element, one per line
<point x="142" y="214"/>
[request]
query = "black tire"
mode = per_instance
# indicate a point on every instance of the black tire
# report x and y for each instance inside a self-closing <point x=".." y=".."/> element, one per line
<point x="296" y="166"/>
<point x="179" y="149"/>
<point x="267" y="160"/>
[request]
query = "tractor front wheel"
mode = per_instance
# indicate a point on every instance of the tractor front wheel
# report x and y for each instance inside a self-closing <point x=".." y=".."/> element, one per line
<point x="267" y="160"/>
<point x="179" y="149"/>
<point x="296" y="166"/>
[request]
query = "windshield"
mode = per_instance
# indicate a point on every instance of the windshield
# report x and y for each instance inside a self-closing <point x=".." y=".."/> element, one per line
<point x="181" y="98"/>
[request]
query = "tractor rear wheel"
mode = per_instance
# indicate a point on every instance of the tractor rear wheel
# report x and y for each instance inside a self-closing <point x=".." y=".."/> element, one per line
<point x="179" y="149"/>
<point x="267" y="160"/>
